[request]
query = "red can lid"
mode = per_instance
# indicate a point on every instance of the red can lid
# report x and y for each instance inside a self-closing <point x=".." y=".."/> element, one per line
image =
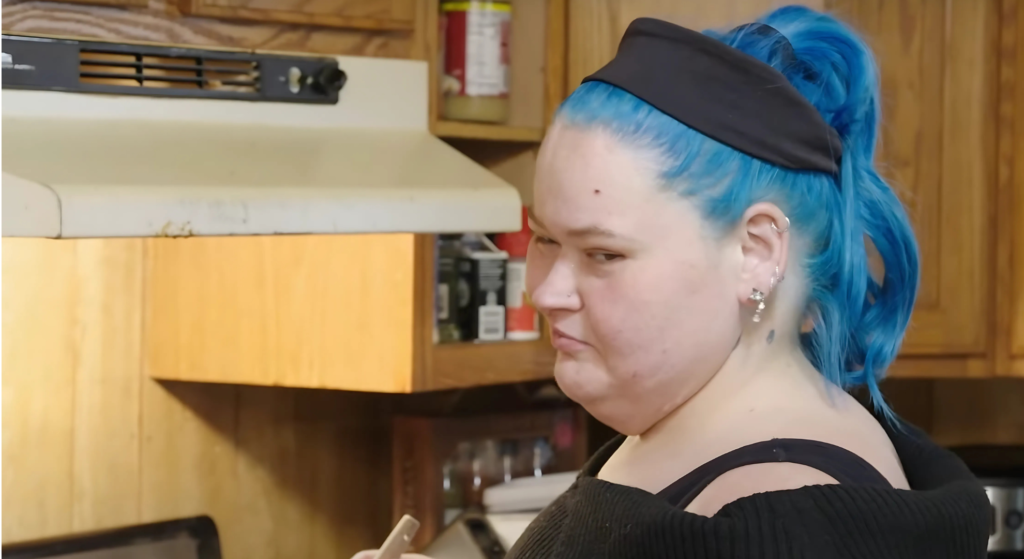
<point x="515" y="244"/>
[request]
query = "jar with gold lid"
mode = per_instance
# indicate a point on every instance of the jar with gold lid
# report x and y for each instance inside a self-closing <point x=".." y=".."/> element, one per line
<point x="475" y="83"/>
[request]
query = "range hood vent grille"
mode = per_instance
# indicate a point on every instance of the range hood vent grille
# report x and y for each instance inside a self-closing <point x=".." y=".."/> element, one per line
<point x="123" y="69"/>
<point x="127" y="69"/>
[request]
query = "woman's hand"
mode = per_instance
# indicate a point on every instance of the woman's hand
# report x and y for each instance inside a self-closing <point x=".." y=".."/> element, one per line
<point x="370" y="553"/>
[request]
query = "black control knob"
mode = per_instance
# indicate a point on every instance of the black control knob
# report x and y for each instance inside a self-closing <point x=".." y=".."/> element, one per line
<point x="328" y="80"/>
<point x="1014" y="520"/>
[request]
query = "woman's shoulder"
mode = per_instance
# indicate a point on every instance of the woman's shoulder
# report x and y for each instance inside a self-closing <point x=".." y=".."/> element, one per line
<point x="841" y="431"/>
<point x="598" y="519"/>
<point x="755" y="479"/>
<point x="736" y="460"/>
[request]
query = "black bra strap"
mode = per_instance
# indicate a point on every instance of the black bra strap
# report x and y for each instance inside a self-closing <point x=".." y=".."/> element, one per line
<point x="842" y="465"/>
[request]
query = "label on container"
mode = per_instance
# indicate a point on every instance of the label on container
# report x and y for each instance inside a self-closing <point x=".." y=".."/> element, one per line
<point x="476" y="48"/>
<point x="444" y="301"/>
<point x="491" y="321"/>
<point x="482" y="313"/>
<point x="491" y="318"/>
<point x="520" y="316"/>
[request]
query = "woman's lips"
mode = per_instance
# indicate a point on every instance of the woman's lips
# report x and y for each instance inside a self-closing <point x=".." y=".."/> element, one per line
<point x="564" y="342"/>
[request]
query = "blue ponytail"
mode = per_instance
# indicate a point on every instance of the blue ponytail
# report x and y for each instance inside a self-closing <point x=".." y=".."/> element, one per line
<point x="859" y="324"/>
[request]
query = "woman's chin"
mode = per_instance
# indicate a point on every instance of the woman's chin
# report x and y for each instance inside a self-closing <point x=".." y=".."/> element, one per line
<point x="581" y="382"/>
<point x="611" y="403"/>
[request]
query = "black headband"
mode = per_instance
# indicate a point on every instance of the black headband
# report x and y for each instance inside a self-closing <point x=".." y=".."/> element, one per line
<point x="723" y="93"/>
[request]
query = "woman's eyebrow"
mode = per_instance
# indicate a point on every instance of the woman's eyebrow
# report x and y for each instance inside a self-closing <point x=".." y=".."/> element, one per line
<point x="589" y="231"/>
<point x="593" y="231"/>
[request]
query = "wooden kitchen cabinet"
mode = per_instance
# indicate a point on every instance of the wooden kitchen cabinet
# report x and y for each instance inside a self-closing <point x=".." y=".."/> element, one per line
<point x="347" y="312"/>
<point x="1012" y="280"/>
<point x="1010" y="216"/>
<point x="596" y="26"/>
<point x="357" y="14"/>
<point x="937" y="147"/>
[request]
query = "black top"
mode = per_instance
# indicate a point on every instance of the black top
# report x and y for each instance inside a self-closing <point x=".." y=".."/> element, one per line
<point x="842" y="465"/>
<point x="946" y="515"/>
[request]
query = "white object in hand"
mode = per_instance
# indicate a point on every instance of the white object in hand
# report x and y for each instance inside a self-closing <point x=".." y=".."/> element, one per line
<point x="399" y="539"/>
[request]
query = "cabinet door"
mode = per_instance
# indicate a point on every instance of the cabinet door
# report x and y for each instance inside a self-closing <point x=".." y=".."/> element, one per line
<point x="306" y="311"/>
<point x="938" y="140"/>
<point x="1010" y="214"/>
<point x="1012" y="289"/>
<point x="595" y="26"/>
<point x="359" y="14"/>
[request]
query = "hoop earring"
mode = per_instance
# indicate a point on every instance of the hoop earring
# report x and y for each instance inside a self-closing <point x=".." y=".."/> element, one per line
<point x="781" y="231"/>
<point x="757" y="297"/>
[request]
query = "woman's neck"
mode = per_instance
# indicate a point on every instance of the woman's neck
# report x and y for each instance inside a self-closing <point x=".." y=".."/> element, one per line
<point x="766" y="371"/>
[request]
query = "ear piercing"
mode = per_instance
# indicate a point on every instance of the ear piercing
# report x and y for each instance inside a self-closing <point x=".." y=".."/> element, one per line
<point x="757" y="297"/>
<point x="781" y="231"/>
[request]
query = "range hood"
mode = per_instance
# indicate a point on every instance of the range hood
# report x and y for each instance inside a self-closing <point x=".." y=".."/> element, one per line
<point x="80" y="164"/>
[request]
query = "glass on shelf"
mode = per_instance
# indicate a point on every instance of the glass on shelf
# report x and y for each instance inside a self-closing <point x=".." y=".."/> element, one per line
<point x="477" y="465"/>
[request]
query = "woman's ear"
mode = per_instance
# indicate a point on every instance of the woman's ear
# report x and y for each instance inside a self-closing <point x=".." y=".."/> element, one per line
<point x="764" y="239"/>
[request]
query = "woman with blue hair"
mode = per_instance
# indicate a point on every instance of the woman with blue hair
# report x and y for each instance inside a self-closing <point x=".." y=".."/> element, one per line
<point x="704" y="210"/>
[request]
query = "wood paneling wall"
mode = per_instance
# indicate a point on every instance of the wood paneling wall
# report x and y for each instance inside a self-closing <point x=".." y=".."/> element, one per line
<point x="161" y="22"/>
<point x="90" y="442"/>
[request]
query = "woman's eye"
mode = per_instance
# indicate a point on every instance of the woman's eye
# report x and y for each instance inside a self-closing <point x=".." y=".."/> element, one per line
<point x="604" y="256"/>
<point x="543" y="240"/>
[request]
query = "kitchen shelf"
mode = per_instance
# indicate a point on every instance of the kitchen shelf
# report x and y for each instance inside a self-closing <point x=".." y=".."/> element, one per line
<point x="537" y="51"/>
<point x="490" y="363"/>
<point x="490" y="132"/>
<point x="422" y="444"/>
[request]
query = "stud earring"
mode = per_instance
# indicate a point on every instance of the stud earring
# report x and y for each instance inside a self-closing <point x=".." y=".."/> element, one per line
<point x="757" y="297"/>
<point x="781" y="231"/>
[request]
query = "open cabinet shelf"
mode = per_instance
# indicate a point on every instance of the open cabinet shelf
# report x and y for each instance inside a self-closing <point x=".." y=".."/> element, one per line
<point x="537" y="50"/>
<point x="490" y="132"/>
<point x="490" y="363"/>
<point x="345" y="312"/>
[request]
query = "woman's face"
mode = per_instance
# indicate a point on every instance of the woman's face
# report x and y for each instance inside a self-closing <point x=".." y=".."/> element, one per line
<point x="640" y="298"/>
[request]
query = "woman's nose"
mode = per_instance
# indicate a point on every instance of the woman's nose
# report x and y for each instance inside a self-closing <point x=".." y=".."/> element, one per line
<point x="556" y="290"/>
